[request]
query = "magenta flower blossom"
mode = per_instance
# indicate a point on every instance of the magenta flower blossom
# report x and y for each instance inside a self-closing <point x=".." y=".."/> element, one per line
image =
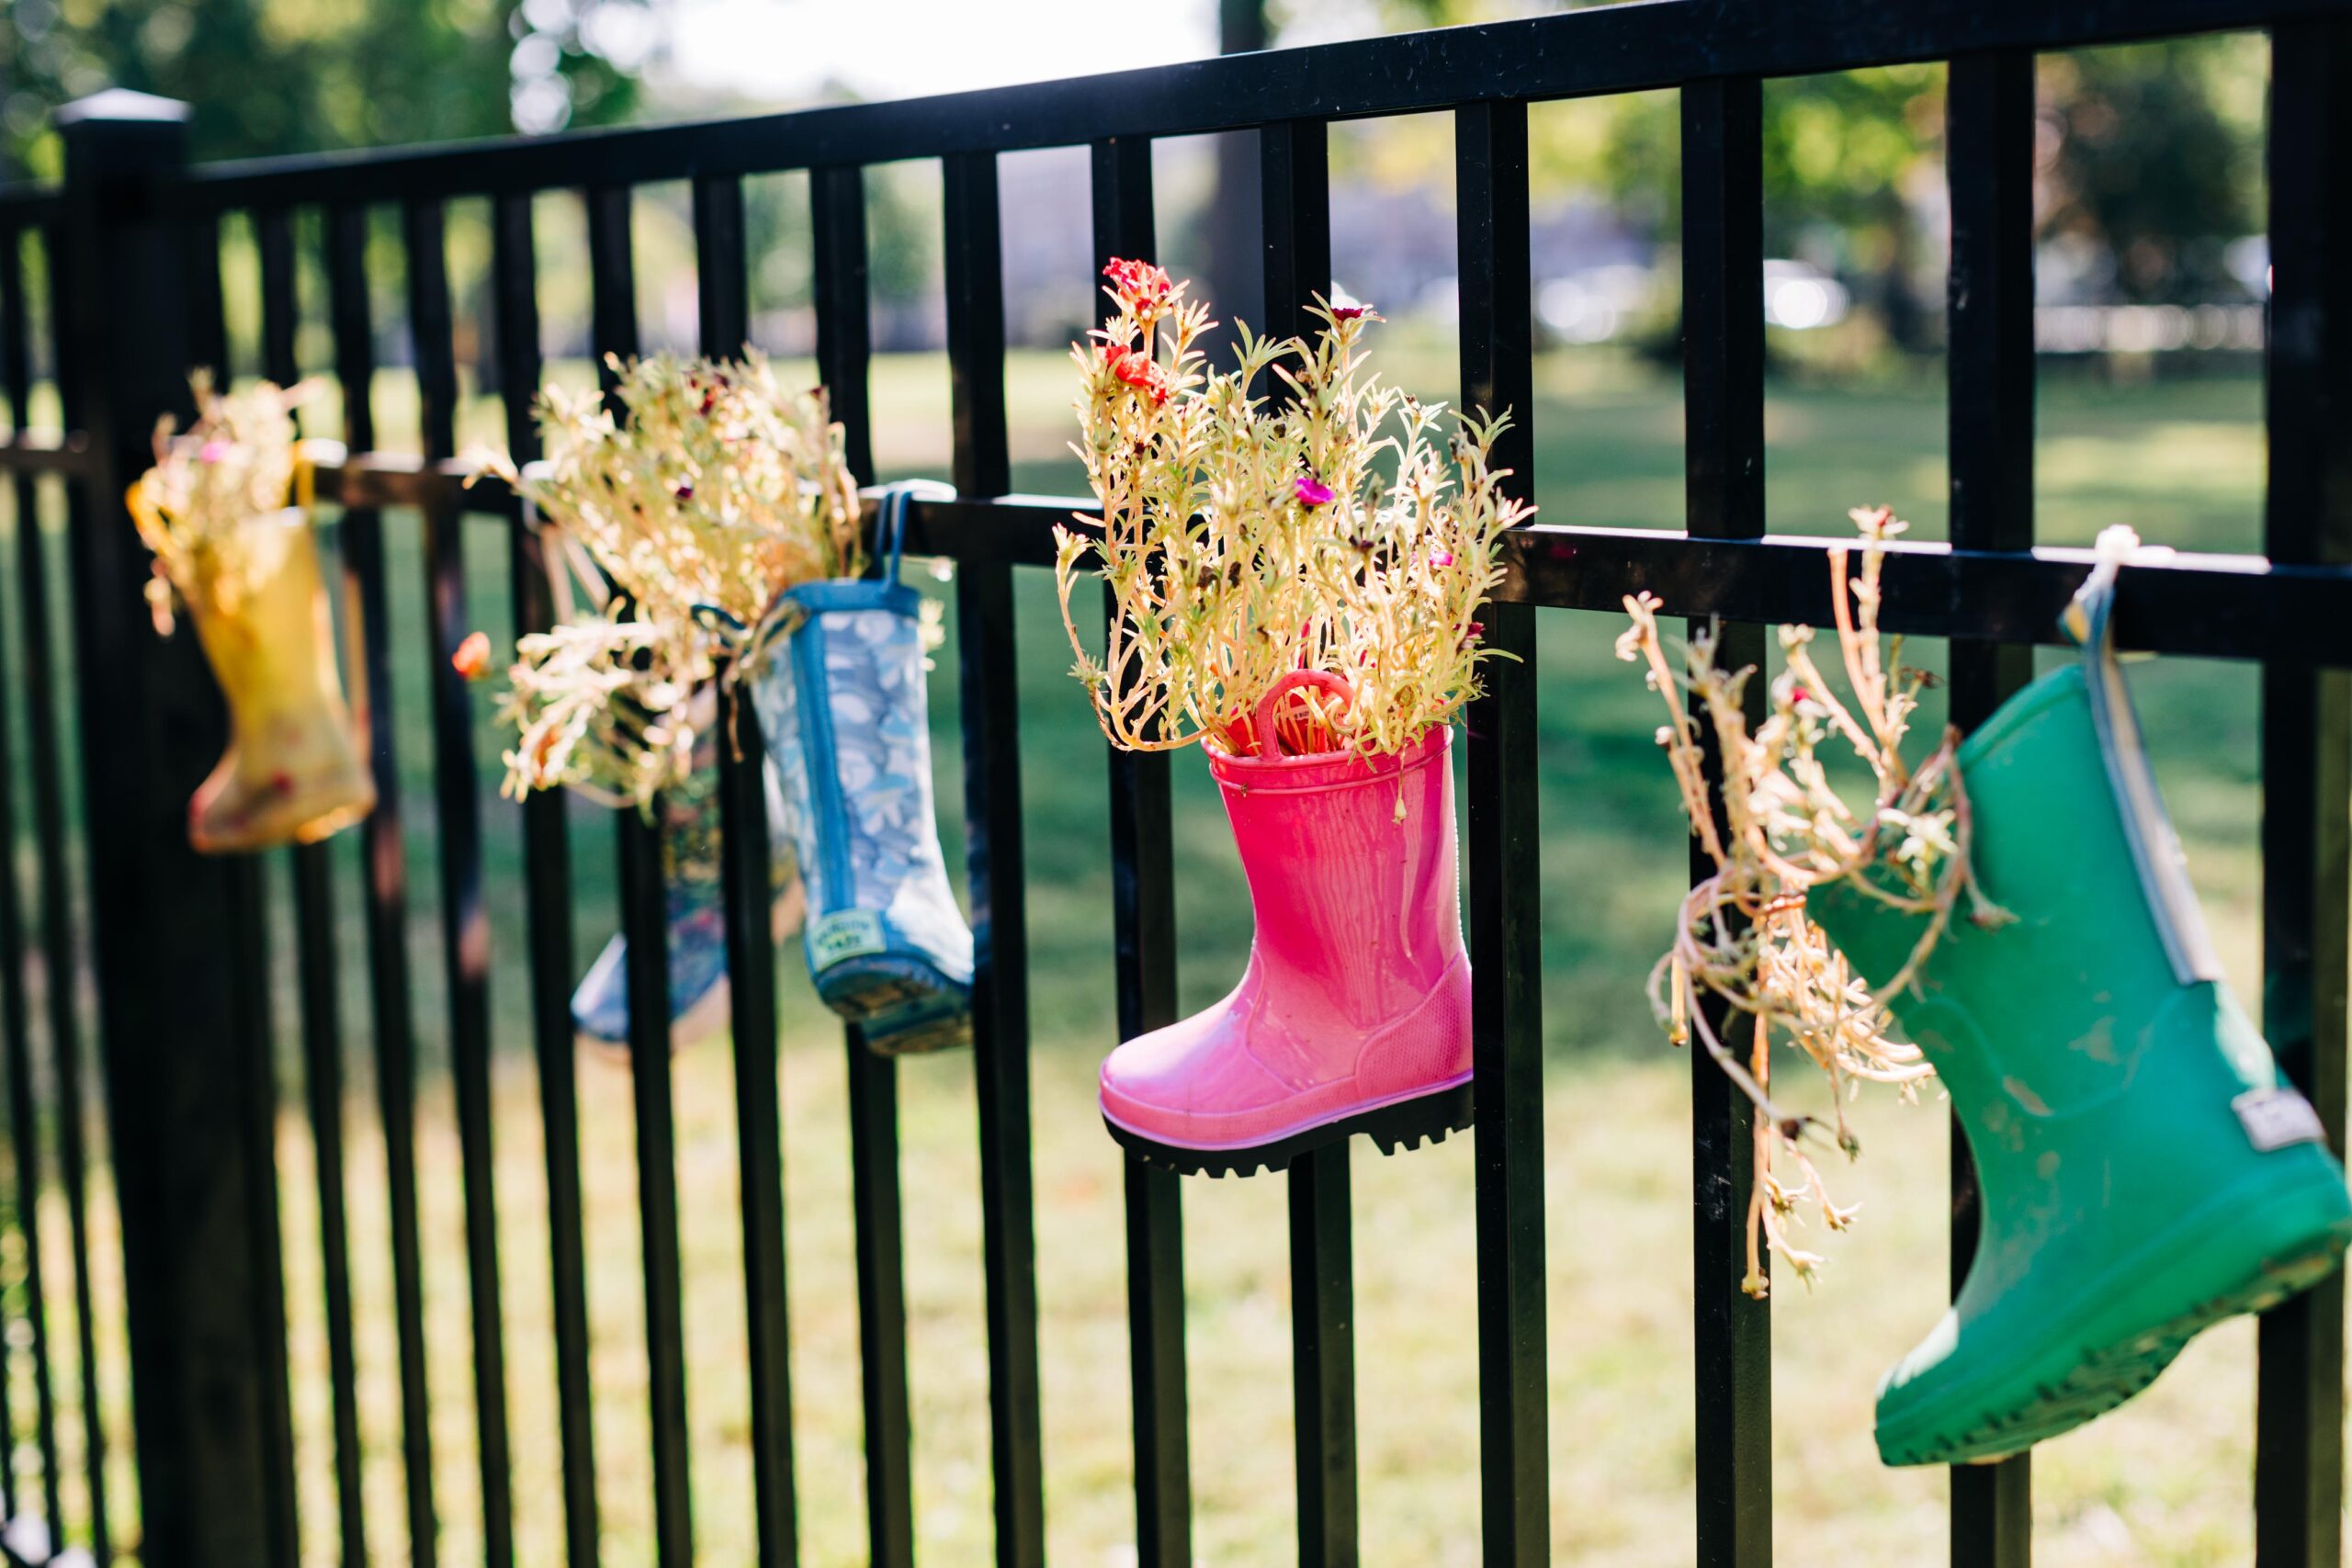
<point x="1441" y="558"/>
<point x="214" y="451"/>
<point x="1350" y="312"/>
<point x="1313" y="492"/>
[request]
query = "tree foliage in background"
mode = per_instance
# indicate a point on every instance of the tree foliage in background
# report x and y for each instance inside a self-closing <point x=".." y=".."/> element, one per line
<point x="2149" y="155"/>
<point x="269" y="76"/>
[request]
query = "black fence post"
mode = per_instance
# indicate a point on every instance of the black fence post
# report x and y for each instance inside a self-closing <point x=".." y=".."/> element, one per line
<point x="183" y="1052"/>
<point x="2306" y="763"/>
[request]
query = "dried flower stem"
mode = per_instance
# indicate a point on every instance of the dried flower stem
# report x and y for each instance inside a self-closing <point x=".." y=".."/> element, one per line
<point x="719" y="489"/>
<point x="1743" y="938"/>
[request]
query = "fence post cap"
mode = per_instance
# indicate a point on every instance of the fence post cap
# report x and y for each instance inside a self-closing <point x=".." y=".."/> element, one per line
<point x="117" y="105"/>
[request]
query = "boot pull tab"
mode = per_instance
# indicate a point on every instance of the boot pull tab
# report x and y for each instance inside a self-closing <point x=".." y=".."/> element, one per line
<point x="2090" y="621"/>
<point x="890" y="526"/>
<point x="1261" y="720"/>
<point x="749" y="643"/>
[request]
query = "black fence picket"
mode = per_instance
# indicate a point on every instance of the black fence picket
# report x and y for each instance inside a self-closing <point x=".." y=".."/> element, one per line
<point x="132" y="248"/>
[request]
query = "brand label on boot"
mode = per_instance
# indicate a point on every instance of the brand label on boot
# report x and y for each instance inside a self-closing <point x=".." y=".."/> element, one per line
<point x="852" y="933"/>
<point x="2274" y="1118"/>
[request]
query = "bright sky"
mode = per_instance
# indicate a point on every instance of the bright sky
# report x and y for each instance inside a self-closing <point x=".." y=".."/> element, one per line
<point x="783" y="49"/>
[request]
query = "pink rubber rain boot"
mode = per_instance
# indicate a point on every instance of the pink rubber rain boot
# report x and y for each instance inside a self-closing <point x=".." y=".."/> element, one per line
<point x="1353" y="1015"/>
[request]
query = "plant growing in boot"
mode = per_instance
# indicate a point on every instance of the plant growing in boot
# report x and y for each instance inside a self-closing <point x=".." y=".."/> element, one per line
<point x="226" y="512"/>
<point x="2145" y="1171"/>
<point x="701" y="522"/>
<point x="1296" y="555"/>
<point x="719" y="487"/>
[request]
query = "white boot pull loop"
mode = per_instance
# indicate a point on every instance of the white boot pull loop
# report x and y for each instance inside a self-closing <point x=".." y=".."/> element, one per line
<point x="2089" y="620"/>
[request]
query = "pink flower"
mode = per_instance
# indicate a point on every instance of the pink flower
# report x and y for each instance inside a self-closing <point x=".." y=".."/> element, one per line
<point x="1313" y="492"/>
<point x="1441" y="558"/>
<point x="214" y="451"/>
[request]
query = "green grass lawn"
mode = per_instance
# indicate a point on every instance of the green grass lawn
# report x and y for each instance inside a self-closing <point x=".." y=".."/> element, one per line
<point x="2164" y="1482"/>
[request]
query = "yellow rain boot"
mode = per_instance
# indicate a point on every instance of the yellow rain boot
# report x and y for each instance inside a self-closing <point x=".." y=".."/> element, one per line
<point x="245" y="565"/>
<point x="291" y="773"/>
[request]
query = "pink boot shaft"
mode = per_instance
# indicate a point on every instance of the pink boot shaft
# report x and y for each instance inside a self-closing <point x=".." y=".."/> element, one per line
<point x="1355" y="1004"/>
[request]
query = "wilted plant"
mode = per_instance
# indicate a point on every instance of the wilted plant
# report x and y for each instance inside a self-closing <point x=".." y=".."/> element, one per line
<point x="240" y="460"/>
<point x="1744" y="937"/>
<point x="1248" y="531"/>
<point x="718" y="490"/>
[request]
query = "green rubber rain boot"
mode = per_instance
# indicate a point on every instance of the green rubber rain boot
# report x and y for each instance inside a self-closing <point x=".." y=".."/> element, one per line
<point x="2146" y="1170"/>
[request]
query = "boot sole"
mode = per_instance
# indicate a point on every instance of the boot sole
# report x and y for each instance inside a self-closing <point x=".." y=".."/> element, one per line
<point x="900" y="1017"/>
<point x="307" y="820"/>
<point x="708" y="1011"/>
<point x="2107" y="1378"/>
<point x="1396" y="1127"/>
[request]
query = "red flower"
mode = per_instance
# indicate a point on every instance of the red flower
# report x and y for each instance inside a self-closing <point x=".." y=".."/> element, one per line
<point x="1313" y="492"/>
<point x="1351" y="312"/>
<point x="1138" y="370"/>
<point x="1139" y="284"/>
<point x="472" y="658"/>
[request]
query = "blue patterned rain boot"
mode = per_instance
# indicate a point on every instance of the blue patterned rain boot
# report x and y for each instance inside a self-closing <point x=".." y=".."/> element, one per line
<point x="839" y="694"/>
<point x="696" y="913"/>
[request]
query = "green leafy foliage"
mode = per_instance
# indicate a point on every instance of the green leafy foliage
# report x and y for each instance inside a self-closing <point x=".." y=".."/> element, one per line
<point x="268" y="76"/>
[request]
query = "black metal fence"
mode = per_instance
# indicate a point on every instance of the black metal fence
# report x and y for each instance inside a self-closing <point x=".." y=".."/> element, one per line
<point x="131" y="243"/>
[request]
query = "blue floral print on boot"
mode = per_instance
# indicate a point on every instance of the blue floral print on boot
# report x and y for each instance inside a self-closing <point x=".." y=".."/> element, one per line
<point x="695" y="908"/>
<point x="840" y="695"/>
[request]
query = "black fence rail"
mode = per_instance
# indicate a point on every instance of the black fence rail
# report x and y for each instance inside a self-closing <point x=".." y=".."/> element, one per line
<point x="130" y="246"/>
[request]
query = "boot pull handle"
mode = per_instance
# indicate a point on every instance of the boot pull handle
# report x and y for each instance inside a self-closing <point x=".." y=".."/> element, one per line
<point x="2090" y="621"/>
<point x="1262" y="721"/>
<point x="891" y="526"/>
<point x="748" y="642"/>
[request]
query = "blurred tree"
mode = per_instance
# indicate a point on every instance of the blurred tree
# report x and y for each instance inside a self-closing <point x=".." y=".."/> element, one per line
<point x="2149" y="156"/>
<point x="2152" y="159"/>
<point x="300" y="75"/>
